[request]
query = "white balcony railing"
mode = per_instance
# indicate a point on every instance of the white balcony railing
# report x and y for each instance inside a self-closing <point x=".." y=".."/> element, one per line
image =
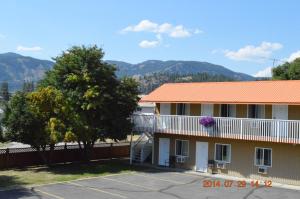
<point x="285" y="131"/>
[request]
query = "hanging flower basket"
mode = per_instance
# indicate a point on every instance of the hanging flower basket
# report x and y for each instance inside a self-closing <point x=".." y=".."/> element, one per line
<point x="207" y="121"/>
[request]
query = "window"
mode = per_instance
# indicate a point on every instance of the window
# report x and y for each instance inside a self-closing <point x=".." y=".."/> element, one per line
<point x="227" y="110"/>
<point x="182" y="148"/>
<point x="256" y="111"/>
<point x="180" y="109"/>
<point x="223" y="153"/>
<point x="263" y="157"/>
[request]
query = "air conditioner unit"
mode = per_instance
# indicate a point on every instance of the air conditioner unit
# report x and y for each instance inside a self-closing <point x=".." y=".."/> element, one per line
<point x="221" y="165"/>
<point x="181" y="159"/>
<point x="263" y="170"/>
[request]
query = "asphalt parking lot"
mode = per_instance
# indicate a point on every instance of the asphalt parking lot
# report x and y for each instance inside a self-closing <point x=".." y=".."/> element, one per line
<point x="150" y="184"/>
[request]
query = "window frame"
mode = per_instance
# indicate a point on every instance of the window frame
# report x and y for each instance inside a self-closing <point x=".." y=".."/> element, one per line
<point x="183" y="106"/>
<point x="256" y="106"/>
<point x="229" y="155"/>
<point x="188" y="150"/>
<point x="263" y="156"/>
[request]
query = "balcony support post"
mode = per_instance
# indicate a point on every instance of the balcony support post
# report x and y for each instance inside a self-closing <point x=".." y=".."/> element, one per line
<point x="277" y="130"/>
<point x="241" y="133"/>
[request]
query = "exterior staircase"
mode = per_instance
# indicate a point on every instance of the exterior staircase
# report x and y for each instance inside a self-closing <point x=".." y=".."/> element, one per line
<point x="141" y="149"/>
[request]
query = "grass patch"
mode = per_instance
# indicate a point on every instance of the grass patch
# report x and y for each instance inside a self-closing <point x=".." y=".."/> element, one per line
<point x="61" y="172"/>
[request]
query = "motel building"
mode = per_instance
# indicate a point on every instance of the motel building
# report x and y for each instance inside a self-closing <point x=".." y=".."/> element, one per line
<point x="242" y="129"/>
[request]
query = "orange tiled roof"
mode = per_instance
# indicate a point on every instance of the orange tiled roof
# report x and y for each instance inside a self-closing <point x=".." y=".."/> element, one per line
<point x="252" y="92"/>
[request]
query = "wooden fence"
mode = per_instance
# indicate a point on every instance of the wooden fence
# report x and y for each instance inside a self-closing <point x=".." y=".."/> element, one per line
<point x="19" y="157"/>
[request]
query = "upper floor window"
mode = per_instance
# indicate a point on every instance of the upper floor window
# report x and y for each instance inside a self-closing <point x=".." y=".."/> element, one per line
<point x="263" y="156"/>
<point x="180" y="109"/>
<point x="256" y="111"/>
<point x="228" y="110"/>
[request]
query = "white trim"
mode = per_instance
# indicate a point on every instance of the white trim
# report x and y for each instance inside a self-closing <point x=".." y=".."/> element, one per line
<point x="229" y="161"/>
<point x="188" y="150"/>
<point x="263" y="155"/>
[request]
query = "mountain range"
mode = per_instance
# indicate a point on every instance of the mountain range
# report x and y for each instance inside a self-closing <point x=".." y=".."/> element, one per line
<point x="175" y="67"/>
<point x="15" y="68"/>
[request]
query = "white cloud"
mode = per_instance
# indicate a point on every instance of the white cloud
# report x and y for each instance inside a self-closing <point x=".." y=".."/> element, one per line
<point x="32" y="49"/>
<point x="253" y="53"/>
<point x="148" y="44"/>
<point x="267" y="72"/>
<point x="293" y="56"/>
<point x="144" y="25"/>
<point x="198" y="31"/>
<point x="178" y="31"/>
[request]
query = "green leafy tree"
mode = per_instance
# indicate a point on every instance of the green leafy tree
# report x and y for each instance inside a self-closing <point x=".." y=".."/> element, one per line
<point x="287" y="71"/>
<point x="100" y="102"/>
<point x="4" y="92"/>
<point x="22" y="124"/>
<point x="36" y="119"/>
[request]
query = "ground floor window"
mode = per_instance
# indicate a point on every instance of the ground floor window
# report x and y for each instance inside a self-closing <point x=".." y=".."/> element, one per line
<point x="223" y="153"/>
<point x="182" y="148"/>
<point x="263" y="156"/>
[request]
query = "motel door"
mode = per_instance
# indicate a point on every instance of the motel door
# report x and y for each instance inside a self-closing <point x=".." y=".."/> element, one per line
<point x="164" y="151"/>
<point x="201" y="156"/>
<point x="280" y="112"/>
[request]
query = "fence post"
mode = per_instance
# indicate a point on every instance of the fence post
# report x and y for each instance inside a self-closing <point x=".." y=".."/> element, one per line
<point x="7" y="158"/>
<point x="65" y="152"/>
<point x="111" y="151"/>
<point x="131" y="148"/>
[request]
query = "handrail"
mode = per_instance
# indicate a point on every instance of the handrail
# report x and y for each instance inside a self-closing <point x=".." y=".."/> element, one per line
<point x="272" y="130"/>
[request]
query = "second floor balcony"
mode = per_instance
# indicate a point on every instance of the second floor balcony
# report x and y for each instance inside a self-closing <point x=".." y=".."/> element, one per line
<point x="270" y="130"/>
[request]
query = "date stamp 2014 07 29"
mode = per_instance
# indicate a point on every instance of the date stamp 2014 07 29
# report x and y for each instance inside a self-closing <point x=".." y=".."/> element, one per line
<point x="237" y="184"/>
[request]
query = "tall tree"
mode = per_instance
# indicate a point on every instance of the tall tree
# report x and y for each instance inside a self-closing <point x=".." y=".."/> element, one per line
<point x="36" y="119"/>
<point x="100" y="102"/>
<point x="4" y="92"/>
<point x="288" y="70"/>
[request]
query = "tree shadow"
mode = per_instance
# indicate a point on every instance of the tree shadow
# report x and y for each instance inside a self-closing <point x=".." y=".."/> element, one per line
<point x="89" y="168"/>
<point x="11" y="188"/>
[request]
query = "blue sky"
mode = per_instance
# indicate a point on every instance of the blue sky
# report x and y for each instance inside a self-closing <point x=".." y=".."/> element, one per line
<point x="243" y="36"/>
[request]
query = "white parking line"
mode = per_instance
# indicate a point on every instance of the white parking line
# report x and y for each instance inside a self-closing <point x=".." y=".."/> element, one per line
<point x="98" y="190"/>
<point x="129" y="183"/>
<point x="157" y="178"/>
<point x="49" y="194"/>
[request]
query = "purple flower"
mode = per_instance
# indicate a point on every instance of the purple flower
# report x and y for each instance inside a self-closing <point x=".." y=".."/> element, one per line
<point x="207" y="121"/>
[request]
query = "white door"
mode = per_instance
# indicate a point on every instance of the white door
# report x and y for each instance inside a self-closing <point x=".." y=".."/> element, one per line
<point x="165" y="109"/>
<point x="187" y="109"/>
<point x="207" y="109"/>
<point x="164" y="151"/>
<point x="280" y="112"/>
<point x="201" y="156"/>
